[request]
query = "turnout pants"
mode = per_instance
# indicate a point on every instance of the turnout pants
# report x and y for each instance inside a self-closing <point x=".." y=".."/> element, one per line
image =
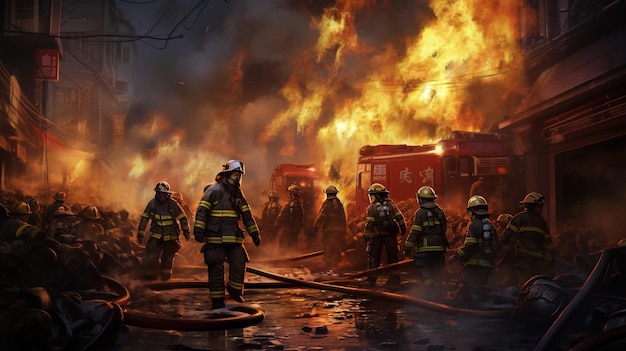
<point x="214" y="257"/>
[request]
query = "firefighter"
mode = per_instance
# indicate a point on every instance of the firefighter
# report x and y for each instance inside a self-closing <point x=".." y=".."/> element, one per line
<point x="527" y="241"/>
<point x="167" y="220"/>
<point x="271" y="209"/>
<point x="290" y="220"/>
<point x="479" y="252"/>
<point x="35" y="218"/>
<point x="501" y="222"/>
<point x="12" y="228"/>
<point x="384" y="222"/>
<point x="89" y="226"/>
<point x="428" y="237"/>
<point x="62" y="225"/>
<point x="59" y="200"/>
<point x="217" y="226"/>
<point x="331" y="220"/>
<point x="21" y="210"/>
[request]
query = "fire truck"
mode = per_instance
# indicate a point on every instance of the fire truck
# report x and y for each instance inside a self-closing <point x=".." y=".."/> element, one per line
<point x="450" y="166"/>
<point x="305" y="176"/>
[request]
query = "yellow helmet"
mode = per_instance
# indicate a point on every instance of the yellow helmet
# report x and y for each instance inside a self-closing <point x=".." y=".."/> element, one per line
<point x="504" y="218"/>
<point x="293" y="188"/>
<point x="90" y="212"/>
<point x="475" y="201"/>
<point x="533" y="198"/>
<point x="21" y="208"/>
<point x="60" y="196"/>
<point x="331" y="189"/>
<point x="377" y="188"/>
<point x="426" y="192"/>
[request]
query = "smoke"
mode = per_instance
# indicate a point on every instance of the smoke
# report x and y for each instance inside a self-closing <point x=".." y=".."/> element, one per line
<point x="280" y="81"/>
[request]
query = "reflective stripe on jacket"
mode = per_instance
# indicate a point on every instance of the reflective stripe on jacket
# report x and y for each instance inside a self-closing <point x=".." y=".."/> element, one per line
<point x="428" y="232"/>
<point x="218" y="213"/>
<point x="164" y="218"/>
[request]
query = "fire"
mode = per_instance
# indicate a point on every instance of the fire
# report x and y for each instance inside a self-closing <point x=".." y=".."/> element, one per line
<point x="376" y="72"/>
<point x="415" y="97"/>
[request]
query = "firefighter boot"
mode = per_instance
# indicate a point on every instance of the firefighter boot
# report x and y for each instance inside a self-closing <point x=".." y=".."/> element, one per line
<point x="217" y="303"/>
<point x="236" y="295"/>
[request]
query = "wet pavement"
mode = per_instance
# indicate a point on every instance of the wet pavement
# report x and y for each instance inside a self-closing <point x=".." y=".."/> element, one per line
<point x="300" y="318"/>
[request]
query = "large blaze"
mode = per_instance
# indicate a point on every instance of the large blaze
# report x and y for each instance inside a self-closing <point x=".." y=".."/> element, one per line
<point x="359" y="72"/>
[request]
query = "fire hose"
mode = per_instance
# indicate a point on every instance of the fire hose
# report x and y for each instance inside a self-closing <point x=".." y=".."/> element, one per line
<point x="428" y="305"/>
<point x="236" y="317"/>
<point x="596" y="275"/>
<point x="288" y="282"/>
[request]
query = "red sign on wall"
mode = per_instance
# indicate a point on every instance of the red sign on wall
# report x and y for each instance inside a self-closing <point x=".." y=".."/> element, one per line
<point x="47" y="64"/>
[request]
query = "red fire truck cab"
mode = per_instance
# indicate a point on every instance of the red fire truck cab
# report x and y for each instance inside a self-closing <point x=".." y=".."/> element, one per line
<point x="305" y="176"/>
<point x="450" y="166"/>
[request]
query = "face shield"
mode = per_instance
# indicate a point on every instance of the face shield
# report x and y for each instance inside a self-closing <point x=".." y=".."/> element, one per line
<point x="234" y="178"/>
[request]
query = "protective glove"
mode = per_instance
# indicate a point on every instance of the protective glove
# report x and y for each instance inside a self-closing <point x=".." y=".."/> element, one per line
<point x="140" y="238"/>
<point x="199" y="238"/>
<point x="256" y="239"/>
<point x="186" y="235"/>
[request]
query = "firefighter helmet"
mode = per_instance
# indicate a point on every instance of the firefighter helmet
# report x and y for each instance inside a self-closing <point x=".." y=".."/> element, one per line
<point x="476" y="201"/>
<point x="162" y="187"/>
<point x="504" y="218"/>
<point x="90" y="212"/>
<point x="478" y="205"/>
<point x="273" y="194"/>
<point x="293" y="188"/>
<point x="377" y="188"/>
<point x="21" y="208"/>
<point x="331" y="189"/>
<point x="60" y="196"/>
<point x="540" y="301"/>
<point x="233" y="165"/>
<point x="533" y="198"/>
<point x="426" y="192"/>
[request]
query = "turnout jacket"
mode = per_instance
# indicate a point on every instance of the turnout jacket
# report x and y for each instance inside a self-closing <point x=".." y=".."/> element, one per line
<point x="332" y="216"/>
<point x="527" y="235"/>
<point x="383" y="219"/>
<point x="480" y="244"/>
<point x="167" y="219"/>
<point x="291" y="217"/>
<point x="218" y="214"/>
<point x="428" y="232"/>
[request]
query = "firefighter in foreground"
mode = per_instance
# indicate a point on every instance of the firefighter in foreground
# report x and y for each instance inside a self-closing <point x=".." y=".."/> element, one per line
<point x="167" y="220"/>
<point x="428" y="237"/>
<point x="526" y="240"/>
<point x="331" y="220"/>
<point x="479" y="252"/>
<point x="384" y="222"/>
<point x="217" y="226"/>
<point x="290" y="220"/>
